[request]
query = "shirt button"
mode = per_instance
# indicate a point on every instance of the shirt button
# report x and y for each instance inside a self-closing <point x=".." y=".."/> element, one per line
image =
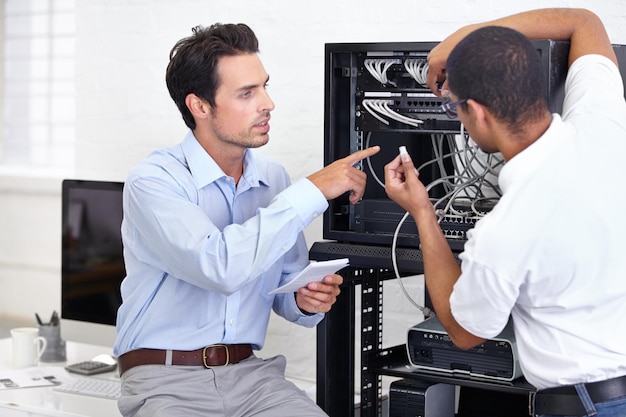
<point x="231" y="321"/>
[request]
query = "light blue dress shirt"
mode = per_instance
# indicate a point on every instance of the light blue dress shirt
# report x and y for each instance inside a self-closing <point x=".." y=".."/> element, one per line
<point x="203" y="254"/>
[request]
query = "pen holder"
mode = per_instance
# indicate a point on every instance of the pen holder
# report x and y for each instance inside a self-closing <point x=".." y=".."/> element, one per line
<point x="55" y="349"/>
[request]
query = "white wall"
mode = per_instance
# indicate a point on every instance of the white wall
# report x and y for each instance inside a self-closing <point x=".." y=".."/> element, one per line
<point x="124" y="111"/>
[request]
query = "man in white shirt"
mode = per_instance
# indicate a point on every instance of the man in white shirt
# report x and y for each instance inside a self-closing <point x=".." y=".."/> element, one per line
<point x="550" y="253"/>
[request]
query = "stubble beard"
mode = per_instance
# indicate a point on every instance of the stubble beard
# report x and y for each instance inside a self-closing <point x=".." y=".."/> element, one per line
<point x="245" y="138"/>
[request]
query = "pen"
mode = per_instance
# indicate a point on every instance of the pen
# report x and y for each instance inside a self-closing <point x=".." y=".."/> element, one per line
<point x="38" y="319"/>
<point x="54" y="320"/>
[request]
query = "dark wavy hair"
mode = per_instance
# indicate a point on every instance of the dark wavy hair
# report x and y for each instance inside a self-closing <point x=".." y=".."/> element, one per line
<point x="193" y="62"/>
<point x="500" y="69"/>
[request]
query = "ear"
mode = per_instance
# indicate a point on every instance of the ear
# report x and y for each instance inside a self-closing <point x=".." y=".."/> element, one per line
<point x="479" y="113"/>
<point x="198" y="107"/>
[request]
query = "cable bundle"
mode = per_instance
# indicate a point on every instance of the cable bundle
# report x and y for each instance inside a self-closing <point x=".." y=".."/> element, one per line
<point x="378" y="107"/>
<point x="418" y="69"/>
<point x="473" y="179"/>
<point x="378" y="68"/>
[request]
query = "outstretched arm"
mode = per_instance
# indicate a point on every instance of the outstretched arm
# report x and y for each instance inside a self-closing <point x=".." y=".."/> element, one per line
<point x="584" y="30"/>
<point x="440" y="268"/>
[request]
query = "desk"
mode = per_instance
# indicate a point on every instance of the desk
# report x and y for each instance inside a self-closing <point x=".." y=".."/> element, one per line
<point x="43" y="401"/>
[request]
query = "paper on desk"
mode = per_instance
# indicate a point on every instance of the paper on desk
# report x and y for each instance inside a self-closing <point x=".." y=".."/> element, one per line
<point x="315" y="271"/>
<point x="28" y="377"/>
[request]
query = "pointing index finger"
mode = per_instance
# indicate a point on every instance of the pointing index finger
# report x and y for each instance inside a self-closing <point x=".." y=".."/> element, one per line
<point x="362" y="154"/>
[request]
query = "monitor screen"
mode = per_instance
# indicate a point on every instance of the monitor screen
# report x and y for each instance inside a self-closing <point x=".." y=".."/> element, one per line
<point x="92" y="263"/>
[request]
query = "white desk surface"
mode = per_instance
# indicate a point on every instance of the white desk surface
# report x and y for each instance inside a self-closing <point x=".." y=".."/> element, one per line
<point x="43" y="401"/>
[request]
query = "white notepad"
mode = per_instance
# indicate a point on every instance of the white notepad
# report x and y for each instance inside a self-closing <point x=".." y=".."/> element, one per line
<point x="315" y="271"/>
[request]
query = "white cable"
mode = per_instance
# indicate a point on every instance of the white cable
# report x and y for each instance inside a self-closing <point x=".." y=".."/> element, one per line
<point x="425" y="310"/>
<point x="367" y="105"/>
<point x="381" y="106"/>
<point x="469" y="173"/>
<point x="417" y="69"/>
<point x="378" y="68"/>
<point x="369" y="65"/>
<point x="468" y="181"/>
<point x="386" y="64"/>
<point x="399" y="117"/>
<point x="369" y="162"/>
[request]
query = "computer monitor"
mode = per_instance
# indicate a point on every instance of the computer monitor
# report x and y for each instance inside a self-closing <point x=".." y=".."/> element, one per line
<point x="92" y="264"/>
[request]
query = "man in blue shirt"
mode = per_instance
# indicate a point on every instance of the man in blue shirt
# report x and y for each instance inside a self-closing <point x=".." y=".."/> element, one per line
<point x="210" y="228"/>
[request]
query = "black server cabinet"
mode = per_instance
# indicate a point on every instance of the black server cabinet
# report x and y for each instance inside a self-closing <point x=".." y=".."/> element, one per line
<point x="375" y="95"/>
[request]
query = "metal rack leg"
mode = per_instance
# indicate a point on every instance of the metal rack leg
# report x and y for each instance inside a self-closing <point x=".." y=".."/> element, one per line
<point x="335" y="356"/>
<point x="371" y="341"/>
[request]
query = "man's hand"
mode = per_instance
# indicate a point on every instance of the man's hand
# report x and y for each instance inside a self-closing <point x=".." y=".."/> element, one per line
<point x="341" y="176"/>
<point x="318" y="297"/>
<point x="403" y="186"/>
<point x="438" y="57"/>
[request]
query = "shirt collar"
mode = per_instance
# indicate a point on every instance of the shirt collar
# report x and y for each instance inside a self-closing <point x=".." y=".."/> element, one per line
<point x="204" y="170"/>
<point x="526" y="162"/>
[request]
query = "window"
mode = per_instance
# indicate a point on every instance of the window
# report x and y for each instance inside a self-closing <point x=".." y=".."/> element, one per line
<point x="38" y="92"/>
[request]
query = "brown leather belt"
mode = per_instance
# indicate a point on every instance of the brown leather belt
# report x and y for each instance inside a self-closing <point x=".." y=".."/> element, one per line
<point x="214" y="355"/>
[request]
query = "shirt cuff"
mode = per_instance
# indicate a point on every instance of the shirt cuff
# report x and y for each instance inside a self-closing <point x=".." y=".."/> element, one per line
<point x="306" y="199"/>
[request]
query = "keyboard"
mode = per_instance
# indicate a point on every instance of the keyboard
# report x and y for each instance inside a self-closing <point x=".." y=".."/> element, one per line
<point x="93" y="387"/>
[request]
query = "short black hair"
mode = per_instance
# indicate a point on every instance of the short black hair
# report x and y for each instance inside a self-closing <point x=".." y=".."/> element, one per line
<point x="193" y="62"/>
<point x="499" y="68"/>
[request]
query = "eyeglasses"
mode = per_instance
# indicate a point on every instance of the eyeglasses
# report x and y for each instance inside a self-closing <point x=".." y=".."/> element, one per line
<point x="449" y="108"/>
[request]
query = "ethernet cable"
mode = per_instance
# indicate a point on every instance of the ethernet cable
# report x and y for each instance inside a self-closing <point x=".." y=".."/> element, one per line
<point x="378" y="68"/>
<point x="467" y="182"/>
<point x="378" y="107"/>
<point x="427" y="312"/>
<point x="417" y="69"/>
<point x="367" y="104"/>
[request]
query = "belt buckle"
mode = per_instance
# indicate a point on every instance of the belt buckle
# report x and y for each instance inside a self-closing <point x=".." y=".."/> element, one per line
<point x="204" y="355"/>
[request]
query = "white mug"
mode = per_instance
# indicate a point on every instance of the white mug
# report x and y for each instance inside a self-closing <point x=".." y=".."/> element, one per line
<point x="28" y="346"/>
